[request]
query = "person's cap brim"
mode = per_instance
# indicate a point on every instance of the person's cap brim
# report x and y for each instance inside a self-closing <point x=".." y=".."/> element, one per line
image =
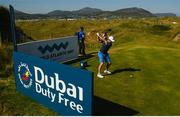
<point x="111" y="38"/>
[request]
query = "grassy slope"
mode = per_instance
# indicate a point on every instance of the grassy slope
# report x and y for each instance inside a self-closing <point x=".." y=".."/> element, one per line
<point x="140" y="44"/>
<point x="152" y="91"/>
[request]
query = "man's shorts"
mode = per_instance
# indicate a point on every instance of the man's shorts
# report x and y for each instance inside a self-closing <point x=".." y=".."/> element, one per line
<point x="104" y="57"/>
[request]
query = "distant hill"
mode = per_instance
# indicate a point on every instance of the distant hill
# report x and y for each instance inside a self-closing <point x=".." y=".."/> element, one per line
<point x="133" y="12"/>
<point x="22" y="15"/>
<point x="88" y="12"/>
<point x="84" y="12"/>
<point x="165" y="14"/>
<point x="93" y="12"/>
<point x="60" y="14"/>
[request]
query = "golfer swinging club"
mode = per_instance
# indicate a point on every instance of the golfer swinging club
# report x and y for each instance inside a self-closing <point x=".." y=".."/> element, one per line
<point x="103" y="53"/>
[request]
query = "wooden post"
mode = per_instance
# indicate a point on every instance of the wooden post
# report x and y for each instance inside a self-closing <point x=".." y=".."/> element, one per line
<point x="0" y="33"/>
<point x="12" y="22"/>
<point x="0" y="39"/>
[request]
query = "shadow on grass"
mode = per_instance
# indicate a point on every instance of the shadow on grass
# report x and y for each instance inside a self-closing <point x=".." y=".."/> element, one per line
<point x="130" y="69"/>
<point x="88" y="56"/>
<point x="104" y="107"/>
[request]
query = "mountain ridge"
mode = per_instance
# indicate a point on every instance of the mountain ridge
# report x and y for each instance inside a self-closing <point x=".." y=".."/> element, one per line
<point x="165" y="14"/>
<point x="89" y="12"/>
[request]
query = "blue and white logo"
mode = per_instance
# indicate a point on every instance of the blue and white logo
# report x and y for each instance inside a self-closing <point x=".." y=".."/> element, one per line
<point x="24" y="75"/>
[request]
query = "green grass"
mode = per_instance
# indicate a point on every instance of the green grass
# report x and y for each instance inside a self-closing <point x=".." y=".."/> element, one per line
<point x="154" y="90"/>
<point x="143" y="50"/>
<point x="151" y="91"/>
<point x="14" y="103"/>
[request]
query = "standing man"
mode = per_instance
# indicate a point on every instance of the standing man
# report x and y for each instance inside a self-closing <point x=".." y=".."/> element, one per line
<point x="81" y="38"/>
<point x="103" y="53"/>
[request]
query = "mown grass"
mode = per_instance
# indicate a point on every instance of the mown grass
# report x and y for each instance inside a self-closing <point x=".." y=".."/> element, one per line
<point x="152" y="90"/>
<point x="145" y="65"/>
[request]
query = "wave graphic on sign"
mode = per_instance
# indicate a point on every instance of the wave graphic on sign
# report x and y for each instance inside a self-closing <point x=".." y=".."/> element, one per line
<point x="53" y="47"/>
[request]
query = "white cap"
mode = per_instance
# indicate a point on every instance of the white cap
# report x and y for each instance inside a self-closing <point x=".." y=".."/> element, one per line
<point x="111" y="38"/>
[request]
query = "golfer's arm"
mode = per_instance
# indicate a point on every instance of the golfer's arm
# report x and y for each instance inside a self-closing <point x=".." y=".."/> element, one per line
<point x="101" y="38"/>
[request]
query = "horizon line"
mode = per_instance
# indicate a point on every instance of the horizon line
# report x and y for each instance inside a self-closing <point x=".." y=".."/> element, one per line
<point x="93" y="8"/>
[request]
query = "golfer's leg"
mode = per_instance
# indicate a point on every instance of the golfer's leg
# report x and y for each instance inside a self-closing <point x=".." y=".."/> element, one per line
<point x="108" y="61"/>
<point x="108" y="65"/>
<point x="101" y="61"/>
<point x="100" y="67"/>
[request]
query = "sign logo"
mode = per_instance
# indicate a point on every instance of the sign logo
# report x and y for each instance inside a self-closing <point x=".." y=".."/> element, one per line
<point x="54" y="47"/>
<point x="59" y="49"/>
<point x="24" y="75"/>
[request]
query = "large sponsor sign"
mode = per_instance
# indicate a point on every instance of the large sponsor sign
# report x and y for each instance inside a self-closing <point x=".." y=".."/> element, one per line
<point x="60" y="50"/>
<point x="64" y="89"/>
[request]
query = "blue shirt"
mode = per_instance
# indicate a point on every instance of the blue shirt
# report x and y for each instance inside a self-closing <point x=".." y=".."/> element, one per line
<point x="81" y="35"/>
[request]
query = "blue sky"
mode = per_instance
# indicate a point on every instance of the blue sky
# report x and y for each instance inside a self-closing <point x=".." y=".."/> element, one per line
<point x="45" y="6"/>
